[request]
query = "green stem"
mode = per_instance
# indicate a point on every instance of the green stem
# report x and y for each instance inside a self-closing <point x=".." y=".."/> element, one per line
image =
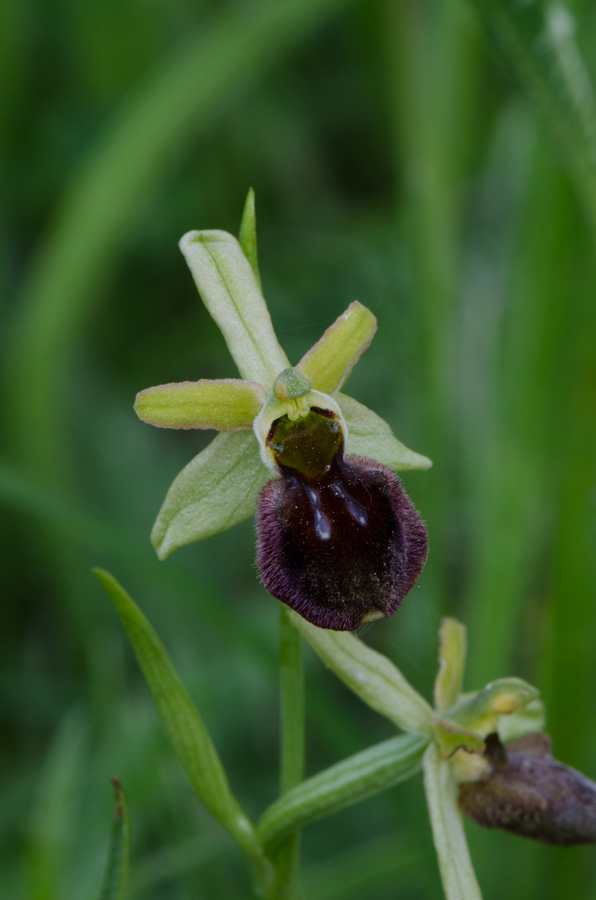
<point x="292" y="705"/>
<point x="457" y="872"/>
<point x="287" y="856"/>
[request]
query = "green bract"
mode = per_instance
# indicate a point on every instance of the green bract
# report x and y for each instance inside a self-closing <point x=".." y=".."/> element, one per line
<point x="220" y="486"/>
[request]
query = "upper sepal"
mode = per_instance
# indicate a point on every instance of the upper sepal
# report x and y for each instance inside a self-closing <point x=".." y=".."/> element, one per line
<point x="226" y="404"/>
<point x="216" y="490"/>
<point x="230" y="291"/>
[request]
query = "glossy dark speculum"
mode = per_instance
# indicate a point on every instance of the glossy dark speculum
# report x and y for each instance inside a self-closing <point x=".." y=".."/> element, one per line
<point x="338" y="538"/>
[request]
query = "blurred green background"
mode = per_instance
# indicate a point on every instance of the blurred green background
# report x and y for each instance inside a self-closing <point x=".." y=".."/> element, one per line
<point x="396" y="160"/>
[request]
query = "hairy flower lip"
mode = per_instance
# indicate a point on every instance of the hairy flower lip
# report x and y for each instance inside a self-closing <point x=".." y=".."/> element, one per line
<point x="322" y="558"/>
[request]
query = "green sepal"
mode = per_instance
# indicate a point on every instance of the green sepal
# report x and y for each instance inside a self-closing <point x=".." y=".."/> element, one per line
<point x="216" y="490"/>
<point x="450" y="736"/>
<point x="116" y="873"/>
<point x="370" y="675"/>
<point x="349" y="781"/>
<point x="226" y="404"/>
<point x="333" y="357"/>
<point x="247" y="236"/>
<point x="186" y="730"/>
<point x="457" y="872"/>
<point x="481" y="711"/>
<point x="452" y="659"/>
<point x="232" y="294"/>
<point x="523" y="721"/>
<point x="370" y="435"/>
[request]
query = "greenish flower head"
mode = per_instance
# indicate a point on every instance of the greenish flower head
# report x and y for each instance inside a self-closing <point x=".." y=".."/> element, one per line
<point x="289" y="423"/>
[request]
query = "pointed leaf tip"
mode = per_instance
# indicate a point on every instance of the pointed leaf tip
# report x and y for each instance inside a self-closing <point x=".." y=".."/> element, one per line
<point x="247" y="236"/>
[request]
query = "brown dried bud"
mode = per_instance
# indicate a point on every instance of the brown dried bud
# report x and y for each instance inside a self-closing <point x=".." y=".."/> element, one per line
<point x="338" y="538"/>
<point x="531" y="794"/>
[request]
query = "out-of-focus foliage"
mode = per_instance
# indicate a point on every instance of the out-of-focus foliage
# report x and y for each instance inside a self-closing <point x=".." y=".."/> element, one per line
<point x="395" y="161"/>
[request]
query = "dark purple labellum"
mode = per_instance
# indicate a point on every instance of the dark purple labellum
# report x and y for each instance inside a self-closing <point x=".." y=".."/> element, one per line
<point x="531" y="794"/>
<point x="338" y="538"/>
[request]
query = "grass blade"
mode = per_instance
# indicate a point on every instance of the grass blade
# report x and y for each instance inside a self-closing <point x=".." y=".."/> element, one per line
<point x="116" y="874"/>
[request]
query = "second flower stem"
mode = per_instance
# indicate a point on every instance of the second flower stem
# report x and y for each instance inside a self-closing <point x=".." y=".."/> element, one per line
<point x="292" y="740"/>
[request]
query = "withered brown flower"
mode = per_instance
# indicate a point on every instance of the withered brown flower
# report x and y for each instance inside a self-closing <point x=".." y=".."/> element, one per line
<point x="530" y="793"/>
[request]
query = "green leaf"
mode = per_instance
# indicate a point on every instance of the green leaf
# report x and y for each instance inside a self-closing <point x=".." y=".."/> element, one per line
<point x="232" y="294"/>
<point x="452" y="659"/>
<point x="370" y="675"/>
<point x="216" y="490"/>
<point x="480" y="711"/>
<point x="227" y="404"/>
<point x="371" y="436"/>
<point x="247" y="236"/>
<point x="457" y="873"/>
<point x="116" y="874"/>
<point x="332" y="358"/>
<point x="185" y="728"/>
<point x="349" y="781"/>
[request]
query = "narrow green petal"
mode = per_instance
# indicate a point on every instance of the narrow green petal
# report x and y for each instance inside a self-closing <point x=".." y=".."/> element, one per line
<point x="370" y="675"/>
<point x="369" y="435"/>
<point x="457" y="872"/>
<point x="227" y="404"/>
<point x="216" y="490"/>
<point x="247" y="236"/>
<point x="333" y="357"/>
<point x="452" y="659"/>
<point x="231" y="293"/>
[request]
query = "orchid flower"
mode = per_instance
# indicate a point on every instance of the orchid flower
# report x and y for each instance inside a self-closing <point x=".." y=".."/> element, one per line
<point x="338" y="538"/>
